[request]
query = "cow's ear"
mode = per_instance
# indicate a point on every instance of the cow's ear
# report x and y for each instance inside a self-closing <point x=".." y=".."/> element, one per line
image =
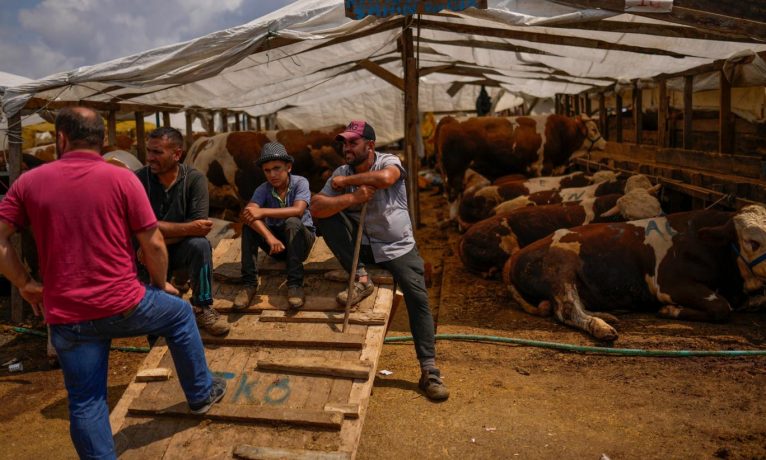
<point x="720" y="235"/>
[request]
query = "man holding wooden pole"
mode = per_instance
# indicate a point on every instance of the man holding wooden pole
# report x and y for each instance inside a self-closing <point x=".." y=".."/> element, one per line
<point x="378" y="179"/>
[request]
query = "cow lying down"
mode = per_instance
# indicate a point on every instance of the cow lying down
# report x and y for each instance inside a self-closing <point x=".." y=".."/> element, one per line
<point x="478" y="202"/>
<point x="486" y="246"/>
<point x="691" y="266"/>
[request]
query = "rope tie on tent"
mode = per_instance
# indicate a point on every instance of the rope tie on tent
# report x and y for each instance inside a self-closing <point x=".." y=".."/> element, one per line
<point x="729" y="198"/>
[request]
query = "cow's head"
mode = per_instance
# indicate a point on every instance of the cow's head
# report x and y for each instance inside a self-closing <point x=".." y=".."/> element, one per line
<point x="588" y="128"/>
<point x="750" y="226"/>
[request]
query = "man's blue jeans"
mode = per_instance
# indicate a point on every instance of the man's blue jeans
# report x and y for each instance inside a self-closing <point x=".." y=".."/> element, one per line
<point x="83" y="351"/>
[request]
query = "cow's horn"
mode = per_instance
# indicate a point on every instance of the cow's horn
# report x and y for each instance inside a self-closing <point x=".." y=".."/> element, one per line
<point x="612" y="212"/>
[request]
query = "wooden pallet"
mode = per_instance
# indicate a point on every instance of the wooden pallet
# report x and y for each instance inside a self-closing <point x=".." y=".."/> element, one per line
<point x="297" y="386"/>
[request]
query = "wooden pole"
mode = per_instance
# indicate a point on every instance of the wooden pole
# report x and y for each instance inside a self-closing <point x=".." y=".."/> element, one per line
<point x="211" y="125"/>
<point x="166" y="119"/>
<point x="662" y="115"/>
<point x="567" y="105"/>
<point x="189" y="138"/>
<point x="638" y="108"/>
<point x="411" y="124"/>
<point x="258" y="123"/>
<point x="224" y="121"/>
<point x="246" y="122"/>
<point x="618" y="109"/>
<point x="602" y="116"/>
<point x="725" y="125"/>
<point x="14" y="171"/>
<point x="237" y="122"/>
<point x="588" y="107"/>
<point x="111" y="127"/>
<point x="688" y="86"/>
<point x="351" y="292"/>
<point x="140" y="137"/>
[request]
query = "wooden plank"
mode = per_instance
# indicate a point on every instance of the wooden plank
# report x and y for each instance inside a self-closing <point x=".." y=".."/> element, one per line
<point x="165" y="119"/>
<point x="638" y="112"/>
<point x="618" y="111"/>
<point x="382" y="73"/>
<point x="286" y="339"/>
<point x="111" y="127"/>
<point x="154" y="375"/>
<point x="321" y="317"/>
<point x="378" y="275"/>
<point x="602" y="117"/>
<point x="348" y="410"/>
<point x="411" y="132"/>
<point x="140" y="137"/>
<point x="272" y="453"/>
<point x="242" y="413"/>
<point x="152" y="360"/>
<point x="317" y="366"/>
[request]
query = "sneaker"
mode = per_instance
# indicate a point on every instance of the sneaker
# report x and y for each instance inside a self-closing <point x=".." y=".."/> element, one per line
<point x="361" y="291"/>
<point x="211" y="321"/>
<point x="432" y="385"/>
<point x="244" y="297"/>
<point x="295" y="297"/>
<point x="217" y="390"/>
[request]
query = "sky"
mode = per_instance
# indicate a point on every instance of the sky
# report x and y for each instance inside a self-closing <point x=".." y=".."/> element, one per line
<point x="42" y="37"/>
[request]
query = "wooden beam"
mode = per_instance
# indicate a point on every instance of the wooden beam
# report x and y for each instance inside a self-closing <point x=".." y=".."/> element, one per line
<point x="618" y="109"/>
<point x="731" y="18"/>
<point x="349" y="410"/>
<point x="189" y="138"/>
<point x="602" y="117"/>
<point x="320" y="317"/>
<point x="237" y="122"/>
<point x="287" y="339"/>
<point x="166" y="119"/>
<point x="661" y="30"/>
<point x="411" y="117"/>
<point x="382" y="73"/>
<point x="638" y="108"/>
<point x="257" y="123"/>
<point x="588" y="107"/>
<point x="539" y="37"/>
<point x="725" y="117"/>
<point x="224" y="121"/>
<point x="567" y="105"/>
<point x="247" y="452"/>
<point x="662" y="115"/>
<point x="211" y="125"/>
<point x="140" y="137"/>
<point x="36" y="103"/>
<point x="688" y="87"/>
<point x="316" y="366"/>
<point x="244" y="413"/>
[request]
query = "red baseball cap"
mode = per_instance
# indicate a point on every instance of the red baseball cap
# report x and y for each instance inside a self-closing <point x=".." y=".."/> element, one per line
<point x="357" y="129"/>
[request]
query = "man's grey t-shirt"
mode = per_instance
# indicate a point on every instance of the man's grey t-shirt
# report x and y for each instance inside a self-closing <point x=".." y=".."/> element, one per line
<point x="387" y="227"/>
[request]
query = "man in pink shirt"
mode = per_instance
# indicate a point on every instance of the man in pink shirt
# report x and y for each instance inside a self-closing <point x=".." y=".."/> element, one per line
<point x="83" y="213"/>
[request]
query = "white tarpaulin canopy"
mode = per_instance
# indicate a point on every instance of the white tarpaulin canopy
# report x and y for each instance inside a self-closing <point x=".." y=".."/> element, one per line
<point x="315" y="67"/>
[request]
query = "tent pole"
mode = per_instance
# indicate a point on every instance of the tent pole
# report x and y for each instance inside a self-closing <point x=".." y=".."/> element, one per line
<point x="411" y="122"/>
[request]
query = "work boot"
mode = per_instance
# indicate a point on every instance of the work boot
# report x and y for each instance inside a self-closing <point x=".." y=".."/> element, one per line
<point x="361" y="291"/>
<point x="217" y="390"/>
<point x="432" y="385"/>
<point x="295" y="297"/>
<point x="244" y="297"/>
<point x="211" y="321"/>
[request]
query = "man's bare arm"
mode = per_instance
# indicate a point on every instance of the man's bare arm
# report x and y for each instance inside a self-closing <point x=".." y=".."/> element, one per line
<point x="381" y="179"/>
<point x="155" y="255"/>
<point x="12" y="268"/>
<point x="325" y="206"/>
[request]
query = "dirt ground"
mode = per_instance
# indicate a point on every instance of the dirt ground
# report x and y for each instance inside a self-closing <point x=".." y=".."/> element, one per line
<point x="507" y="401"/>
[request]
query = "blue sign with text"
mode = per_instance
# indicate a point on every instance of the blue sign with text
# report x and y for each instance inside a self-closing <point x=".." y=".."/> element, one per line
<point x="357" y="9"/>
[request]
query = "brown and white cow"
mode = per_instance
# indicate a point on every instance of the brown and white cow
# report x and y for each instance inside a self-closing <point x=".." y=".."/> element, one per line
<point x="691" y="266"/>
<point x="494" y="146"/>
<point x="476" y="204"/>
<point x="576" y="194"/>
<point x="228" y="161"/>
<point x="488" y="244"/>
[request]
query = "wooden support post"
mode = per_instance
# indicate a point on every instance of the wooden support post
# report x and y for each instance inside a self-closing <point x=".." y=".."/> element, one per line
<point x="245" y="122"/>
<point x="237" y="122"/>
<point x="111" y="127"/>
<point x="166" y="119"/>
<point x="224" y="121"/>
<point x="725" y="124"/>
<point x="14" y="171"/>
<point x="588" y="107"/>
<point x="662" y="115"/>
<point x="602" y="116"/>
<point x="688" y="87"/>
<point x="618" y="109"/>
<point x="211" y="125"/>
<point x="189" y="138"/>
<point x="140" y="137"/>
<point x="638" y="110"/>
<point x="567" y="105"/>
<point x="411" y="124"/>
<point x="258" y="123"/>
